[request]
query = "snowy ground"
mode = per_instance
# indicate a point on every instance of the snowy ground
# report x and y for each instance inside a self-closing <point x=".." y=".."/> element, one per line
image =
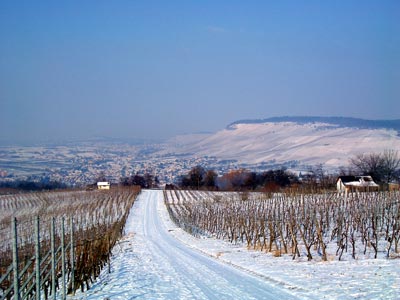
<point x="280" y="142"/>
<point x="157" y="260"/>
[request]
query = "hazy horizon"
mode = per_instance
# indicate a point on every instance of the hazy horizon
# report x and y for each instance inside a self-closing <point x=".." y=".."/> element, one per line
<point x="141" y="70"/>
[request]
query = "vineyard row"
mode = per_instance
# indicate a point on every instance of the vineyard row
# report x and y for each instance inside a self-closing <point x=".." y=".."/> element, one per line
<point x="58" y="258"/>
<point x="328" y="226"/>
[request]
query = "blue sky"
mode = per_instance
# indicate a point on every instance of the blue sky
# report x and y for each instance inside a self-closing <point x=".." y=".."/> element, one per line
<point x="154" y="69"/>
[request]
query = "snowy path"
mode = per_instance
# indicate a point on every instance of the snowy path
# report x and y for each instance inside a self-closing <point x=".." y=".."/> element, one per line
<point x="149" y="263"/>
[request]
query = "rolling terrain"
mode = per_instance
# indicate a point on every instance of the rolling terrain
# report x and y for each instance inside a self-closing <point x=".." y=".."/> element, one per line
<point x="292" y="142"/>
<point x="303" y="140"/>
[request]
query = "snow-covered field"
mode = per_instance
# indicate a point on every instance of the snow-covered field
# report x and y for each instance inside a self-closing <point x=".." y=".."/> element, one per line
<point x="158" y="260"/>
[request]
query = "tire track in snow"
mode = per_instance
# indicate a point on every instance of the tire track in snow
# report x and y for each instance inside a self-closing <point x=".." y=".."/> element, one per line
<point x="149" y="263"/>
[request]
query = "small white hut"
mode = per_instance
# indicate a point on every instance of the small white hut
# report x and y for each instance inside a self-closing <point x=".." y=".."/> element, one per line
<point x="103" y="185"/>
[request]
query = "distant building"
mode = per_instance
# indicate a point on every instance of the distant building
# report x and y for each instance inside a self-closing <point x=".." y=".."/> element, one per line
<point x="356" y="183"/>
<point x="103" y="185"/>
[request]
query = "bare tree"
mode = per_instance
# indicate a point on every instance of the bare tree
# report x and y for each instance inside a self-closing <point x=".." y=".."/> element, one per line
<point x="209" y="178"/>
<point x="368" y="164"/>
<point x="390" y="165"/>
<point x="383" y="167"/>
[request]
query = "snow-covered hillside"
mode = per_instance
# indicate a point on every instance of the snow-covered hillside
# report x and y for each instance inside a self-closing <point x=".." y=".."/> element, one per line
<point x="308" y="143"/>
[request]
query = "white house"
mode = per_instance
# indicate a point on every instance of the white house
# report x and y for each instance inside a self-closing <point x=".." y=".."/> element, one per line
<point x="356" y="183"/>
<point x="103" y="185"/>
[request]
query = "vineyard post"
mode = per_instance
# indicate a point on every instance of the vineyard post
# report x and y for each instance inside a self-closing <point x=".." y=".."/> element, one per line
<point x="72" y="256"/>
<point x="109" y="254"/>
<point x="53" y="259"/>
<point x="15" y="259"/>
<point x="63" y="259"/>
<point x="37" y="258"/>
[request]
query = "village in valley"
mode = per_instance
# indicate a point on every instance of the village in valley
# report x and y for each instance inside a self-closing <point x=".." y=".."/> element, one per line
<point x="81" y="164"/>
<point x="307" y="149"/>
<point x="86" y="164"/>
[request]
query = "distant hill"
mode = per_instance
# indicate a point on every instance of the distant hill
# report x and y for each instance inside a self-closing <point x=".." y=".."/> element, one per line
<point x="339" y="121"/>
<point x="330" y="141"/>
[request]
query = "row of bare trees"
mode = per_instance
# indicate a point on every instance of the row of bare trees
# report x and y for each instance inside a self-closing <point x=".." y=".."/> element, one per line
<point x="383" y="167"/>
<point x="237" y="180"/>
<point x="311" y="225"/>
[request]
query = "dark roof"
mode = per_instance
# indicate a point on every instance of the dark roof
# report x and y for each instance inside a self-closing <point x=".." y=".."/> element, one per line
<point x="345" y="179"/>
